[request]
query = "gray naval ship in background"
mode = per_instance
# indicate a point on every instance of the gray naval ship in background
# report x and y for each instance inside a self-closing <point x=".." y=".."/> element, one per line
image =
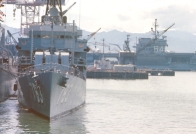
<point x="52" y="72"/>
<point x="151" y="53"/>
<point x="8" y="69"/>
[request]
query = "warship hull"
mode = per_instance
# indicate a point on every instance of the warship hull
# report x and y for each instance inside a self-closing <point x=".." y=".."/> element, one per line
<point x="176" y="62"/>
<point x="174" y="67"/>
<point x="46" y="95"/>
<point x="7" y="81"/>
<point x="51" y="62"/>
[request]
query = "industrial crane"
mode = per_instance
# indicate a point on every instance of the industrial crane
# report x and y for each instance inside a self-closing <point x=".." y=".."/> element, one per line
<point x="68" y="8"/>
<point x="115" y="50"/>
<point x="126" y="45"/>
<point x="92" y="43"/>
<point x="103" y="45"/>
<point x="11" y="36"/>
<point x="99" y="44"/>
<point x="30" y="11"/>
<point x="92" y="34"/>
<point x="116" y="45"/>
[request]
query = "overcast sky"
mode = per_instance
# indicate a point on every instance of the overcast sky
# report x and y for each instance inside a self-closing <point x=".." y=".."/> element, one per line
<point x="125" y="15"/>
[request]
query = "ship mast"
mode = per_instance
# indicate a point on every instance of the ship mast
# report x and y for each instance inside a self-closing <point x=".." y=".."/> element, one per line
<point x="54" y="13"/>
<point x="155" y="26"/>
<point x="127" y="44"/>
<point x="54" y="3"/>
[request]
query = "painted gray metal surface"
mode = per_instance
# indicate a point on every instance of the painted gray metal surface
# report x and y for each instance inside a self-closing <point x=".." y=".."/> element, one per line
<point x="45" y="95"/>
<point x="7" y="81"/>
<point x="51" y="88"/>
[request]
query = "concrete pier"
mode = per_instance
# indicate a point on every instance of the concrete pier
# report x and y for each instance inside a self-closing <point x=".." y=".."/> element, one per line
<point x="117" y="75"/>
<point x="160" y="72"/>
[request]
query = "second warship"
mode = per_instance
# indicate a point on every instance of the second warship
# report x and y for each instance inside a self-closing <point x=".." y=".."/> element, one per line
<point x="8" y="69"/>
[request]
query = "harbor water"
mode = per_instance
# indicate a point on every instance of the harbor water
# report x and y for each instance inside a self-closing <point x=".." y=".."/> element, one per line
<point x="158" y="105"/>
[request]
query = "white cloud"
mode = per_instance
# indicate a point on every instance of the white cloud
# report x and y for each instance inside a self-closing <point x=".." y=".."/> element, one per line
<point x="125" y="15"/>
<point x="183" y="16"/>
<point x="137" y="16"/>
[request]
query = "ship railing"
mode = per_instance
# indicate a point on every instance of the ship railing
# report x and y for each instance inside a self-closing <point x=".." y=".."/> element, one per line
<point x="53" y="67"/>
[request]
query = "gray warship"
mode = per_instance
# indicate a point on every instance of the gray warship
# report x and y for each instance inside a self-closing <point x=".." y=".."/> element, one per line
<point x="51" y="65"/>
<point x="8" y="70"/>
<point x="151" y="53"/>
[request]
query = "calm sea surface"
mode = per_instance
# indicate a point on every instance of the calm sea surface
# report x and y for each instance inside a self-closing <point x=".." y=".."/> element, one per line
<point x="159" y="105"/>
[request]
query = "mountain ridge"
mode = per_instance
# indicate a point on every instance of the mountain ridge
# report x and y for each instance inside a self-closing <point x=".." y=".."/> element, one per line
<point x="178" y="41"/>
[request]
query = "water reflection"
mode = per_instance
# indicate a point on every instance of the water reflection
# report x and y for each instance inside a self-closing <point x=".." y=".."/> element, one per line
<point x="8" y="118"/>
<point x="158" y="105"/>
<point x="73" y="123"/>
<point x="31" y="123"/>
<point x="15" y="119"/>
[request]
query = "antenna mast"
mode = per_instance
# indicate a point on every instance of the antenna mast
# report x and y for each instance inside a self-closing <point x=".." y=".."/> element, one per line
<point x="155" y="26"/>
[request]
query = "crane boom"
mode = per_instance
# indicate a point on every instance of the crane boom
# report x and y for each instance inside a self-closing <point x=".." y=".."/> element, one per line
<point x="64" y="12"/>
<point x="115" y="50"/>
<point x="16" y="43"/>
<point x="116" y="45"/>
<point x="153" y="40"/>
<point x="101" y="44"/>
<point x="92" y="34"/>
<point x="165" y="30"/>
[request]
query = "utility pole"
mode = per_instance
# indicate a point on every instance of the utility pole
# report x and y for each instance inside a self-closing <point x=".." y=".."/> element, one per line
<point x="103" y="48"/>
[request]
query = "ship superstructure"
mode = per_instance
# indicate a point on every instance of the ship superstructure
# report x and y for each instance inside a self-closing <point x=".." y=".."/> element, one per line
<point x="52" y="61"/>
<point x="154" y="53"/>
<point x="155" y="44"/>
